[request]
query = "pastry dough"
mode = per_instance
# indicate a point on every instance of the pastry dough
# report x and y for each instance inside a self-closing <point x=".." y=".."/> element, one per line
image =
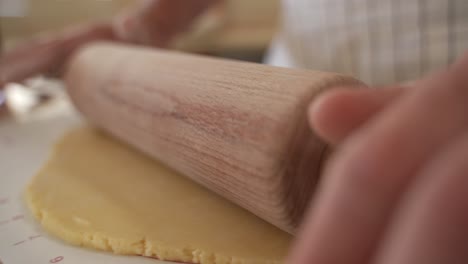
<point x="98" y="193"/>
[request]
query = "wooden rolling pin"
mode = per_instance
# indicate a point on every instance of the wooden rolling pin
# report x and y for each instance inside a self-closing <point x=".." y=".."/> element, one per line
<point x="237" y="128"/>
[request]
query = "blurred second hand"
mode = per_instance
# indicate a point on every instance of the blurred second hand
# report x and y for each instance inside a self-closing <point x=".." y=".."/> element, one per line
<point x="46" y="53"/>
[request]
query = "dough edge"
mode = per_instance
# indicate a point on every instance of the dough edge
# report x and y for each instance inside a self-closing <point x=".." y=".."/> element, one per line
<point x="105" y="242"/>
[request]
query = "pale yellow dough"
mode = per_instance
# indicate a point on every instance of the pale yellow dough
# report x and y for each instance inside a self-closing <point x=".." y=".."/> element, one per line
<point x="98" y="193"/>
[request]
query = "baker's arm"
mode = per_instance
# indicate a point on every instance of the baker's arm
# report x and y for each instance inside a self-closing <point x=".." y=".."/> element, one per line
<point x="45" y="53"/>
<point x="151" y="22"/>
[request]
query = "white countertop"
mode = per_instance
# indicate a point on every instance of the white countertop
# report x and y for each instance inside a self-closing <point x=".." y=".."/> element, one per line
<point x="24" y="146"/>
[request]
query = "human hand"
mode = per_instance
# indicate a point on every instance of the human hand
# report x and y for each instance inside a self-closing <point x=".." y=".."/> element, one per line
<point x="150" y="22"/>
<point x="47" y="53"/>
<point x="157" y="22"/>
<point x="395" y="191"/>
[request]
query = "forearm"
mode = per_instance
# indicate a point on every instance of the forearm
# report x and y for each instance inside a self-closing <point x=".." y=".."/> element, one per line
<point x="46" y="53"/>
<point x="152" y="22"/>
<point x="157" y="22"/>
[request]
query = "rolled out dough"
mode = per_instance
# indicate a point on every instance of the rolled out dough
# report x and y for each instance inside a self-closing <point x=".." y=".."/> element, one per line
<point x="98" y="193"/>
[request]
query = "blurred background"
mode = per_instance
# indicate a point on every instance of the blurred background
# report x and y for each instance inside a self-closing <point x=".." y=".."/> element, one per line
<point x="236" y="29"/>
<point x="239" y="29"/>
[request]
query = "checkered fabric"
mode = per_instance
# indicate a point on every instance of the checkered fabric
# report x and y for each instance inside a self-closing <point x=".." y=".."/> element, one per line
<point x="378" y="41"/>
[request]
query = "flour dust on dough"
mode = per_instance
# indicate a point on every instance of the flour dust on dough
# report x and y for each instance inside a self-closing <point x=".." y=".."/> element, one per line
<point x="95" y="192"/>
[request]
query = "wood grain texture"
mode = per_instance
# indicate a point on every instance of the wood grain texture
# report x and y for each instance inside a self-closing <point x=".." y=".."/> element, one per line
<point x="237" y="128"/>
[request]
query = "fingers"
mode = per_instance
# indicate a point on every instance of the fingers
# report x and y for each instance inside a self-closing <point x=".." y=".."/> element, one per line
<point x="365" y="179"/>
<point x="432" y="226"/>
<point x="78" y="36"/>
<point x="157" y="22"/>
<point x="140" y="25"/>
<point x="47" y="53"/>
<point x="337" y="113"/>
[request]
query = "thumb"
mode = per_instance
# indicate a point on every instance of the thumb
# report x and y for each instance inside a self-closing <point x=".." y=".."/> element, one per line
<point x="337" y="113"/>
